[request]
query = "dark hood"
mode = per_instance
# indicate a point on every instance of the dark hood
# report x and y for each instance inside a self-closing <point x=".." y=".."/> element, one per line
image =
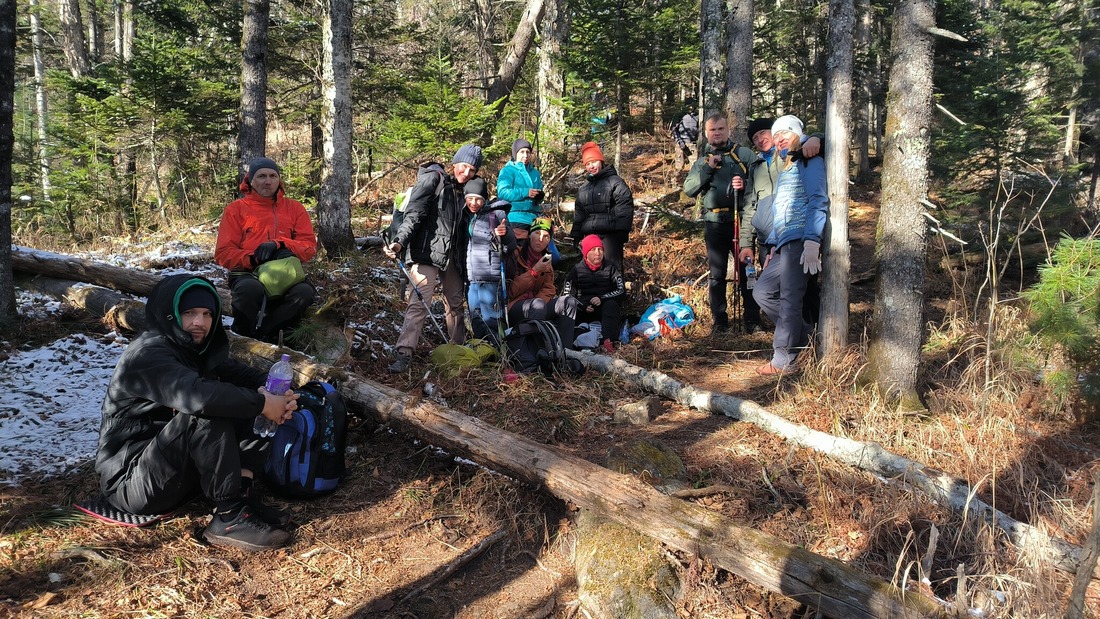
<point x="606" y="170"/>
<point x="162" y="313"/>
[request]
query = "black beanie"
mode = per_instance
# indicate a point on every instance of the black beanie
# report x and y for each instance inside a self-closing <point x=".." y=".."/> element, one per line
<point x="519" y="145"/>
<point x="759" y="125"/>
<point x="198" y="296"/>
<point x="475" y="187"/>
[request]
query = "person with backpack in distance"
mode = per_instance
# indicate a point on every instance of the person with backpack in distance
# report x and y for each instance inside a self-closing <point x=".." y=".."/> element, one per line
<point x="176" y="411"/>
<point x="263" y="239"/>
<point x="532" y="294"/>
<point x="605" y="205"/>
<point x="800" y="209"/>
<point x="685" y="132"/>
<point x="598" y="286"/>
<point x="486" y="240"/>
<point x="428" y="240"/>
<point x="720" y="174"/>
<point x="756" y="218"/>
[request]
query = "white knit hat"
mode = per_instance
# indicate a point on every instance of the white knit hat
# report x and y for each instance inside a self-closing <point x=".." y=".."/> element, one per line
<point x="787" y="123"/>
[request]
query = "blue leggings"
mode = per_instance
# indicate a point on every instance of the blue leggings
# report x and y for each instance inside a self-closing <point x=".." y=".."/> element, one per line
<point x="483" y="299"/>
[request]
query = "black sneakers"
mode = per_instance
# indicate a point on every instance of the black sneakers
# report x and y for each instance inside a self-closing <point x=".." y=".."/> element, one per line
<point x="246" y="530"/>
<point x="269" y="513"/>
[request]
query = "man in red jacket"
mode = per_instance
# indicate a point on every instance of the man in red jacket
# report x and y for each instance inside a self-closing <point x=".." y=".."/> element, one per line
<point x="264" y="225"/>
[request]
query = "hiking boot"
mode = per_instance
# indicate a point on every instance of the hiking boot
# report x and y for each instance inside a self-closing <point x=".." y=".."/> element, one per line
<point x="245" y="530"/>
<point x="400" y="363"/>
<point x="269" y="513"/>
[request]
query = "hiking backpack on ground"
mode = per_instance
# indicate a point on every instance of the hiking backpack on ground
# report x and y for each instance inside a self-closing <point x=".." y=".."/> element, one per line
<point x="307" y="452"/>
<point x="535" y="346"/>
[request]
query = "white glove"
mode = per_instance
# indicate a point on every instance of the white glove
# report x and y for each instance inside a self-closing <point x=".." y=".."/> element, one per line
<point x="811" y="257"/>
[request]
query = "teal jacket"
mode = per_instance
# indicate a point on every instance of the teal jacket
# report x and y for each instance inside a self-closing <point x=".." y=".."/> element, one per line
<point x="720" y="200"/>
<point x="513" y="184"/>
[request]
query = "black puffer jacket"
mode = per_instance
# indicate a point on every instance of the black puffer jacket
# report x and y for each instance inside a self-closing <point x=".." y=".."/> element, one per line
<point x="605" y="282"/>
<point x="163" y="373"/>
<point x="604" y="204"/>
<point x="429" y="232"/>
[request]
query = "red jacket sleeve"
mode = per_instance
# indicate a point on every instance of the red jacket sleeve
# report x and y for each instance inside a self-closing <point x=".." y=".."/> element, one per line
<point x="230" y="251"/>
<point x="302" y="240"/>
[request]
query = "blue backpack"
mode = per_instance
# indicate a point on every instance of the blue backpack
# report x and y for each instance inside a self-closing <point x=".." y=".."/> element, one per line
<point x="307" y="452"/>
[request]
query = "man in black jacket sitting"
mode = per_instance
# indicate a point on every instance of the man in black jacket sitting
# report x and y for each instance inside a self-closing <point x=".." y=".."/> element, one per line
<point x="176" y="412"/>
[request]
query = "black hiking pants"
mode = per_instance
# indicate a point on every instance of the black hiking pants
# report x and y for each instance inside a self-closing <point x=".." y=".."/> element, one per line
<point x="190" y="453"/>
<point x="279" y="313"/>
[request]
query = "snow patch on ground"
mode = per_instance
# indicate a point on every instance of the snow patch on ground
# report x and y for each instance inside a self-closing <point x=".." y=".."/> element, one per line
<point x="49" y="417"/>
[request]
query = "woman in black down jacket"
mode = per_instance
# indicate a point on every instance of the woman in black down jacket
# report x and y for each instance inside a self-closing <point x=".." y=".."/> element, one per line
<point x="605" y="205"/>
<point x="598" y="286"/>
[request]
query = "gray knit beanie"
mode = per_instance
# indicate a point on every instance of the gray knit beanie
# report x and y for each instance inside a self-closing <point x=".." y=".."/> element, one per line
<point x="262" y="163"/>
<point x="468" y="153"/>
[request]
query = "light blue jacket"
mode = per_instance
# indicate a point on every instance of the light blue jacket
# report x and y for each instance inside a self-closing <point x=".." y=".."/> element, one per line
<point x="513" y="184"/>
<point x="801" y="203"/>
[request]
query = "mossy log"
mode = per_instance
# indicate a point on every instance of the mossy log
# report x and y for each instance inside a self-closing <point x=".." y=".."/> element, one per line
<point x="949" y="491"/>
<point x="833" y="587"/>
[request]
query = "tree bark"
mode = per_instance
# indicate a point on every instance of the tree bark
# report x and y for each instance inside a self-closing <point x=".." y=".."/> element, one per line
<point x="711" y="58"/>
<point x="838" y="118"/>
<point x="739" y="30"/>
<point x="41" y="111"/>
<point x="253" y="113"/>
<point x="829" y="585"/>
<point x="72" y="30"/>
<point x="952" y="493"/>
<point x="863" y="78"/>
<point x="7" y="142"/>
<point x="95" y="33"/>
<point x="896" y="326"/>
<point x="510" y="67"/>
<point x="550" y="123"/>
<point x="334" y="203"/>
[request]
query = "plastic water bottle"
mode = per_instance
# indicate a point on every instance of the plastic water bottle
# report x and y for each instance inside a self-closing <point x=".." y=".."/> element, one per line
<point x="750" y="274"/>
<point x="278" y="381"/>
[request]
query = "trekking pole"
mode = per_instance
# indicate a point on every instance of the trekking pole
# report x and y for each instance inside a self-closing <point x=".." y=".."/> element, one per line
<point x="427" y="308"/>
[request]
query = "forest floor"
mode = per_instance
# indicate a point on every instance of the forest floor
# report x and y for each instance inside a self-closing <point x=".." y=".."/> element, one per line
<point x="380" y="546"/>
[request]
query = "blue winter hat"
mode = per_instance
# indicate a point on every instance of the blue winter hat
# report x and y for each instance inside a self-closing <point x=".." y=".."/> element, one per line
<point x="468" y="153"/>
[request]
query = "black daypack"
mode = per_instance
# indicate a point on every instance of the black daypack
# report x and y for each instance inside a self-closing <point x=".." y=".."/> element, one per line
<point x="535" y="346"/>
<point x="307" y="452"/>
<point x="401" y="200"/>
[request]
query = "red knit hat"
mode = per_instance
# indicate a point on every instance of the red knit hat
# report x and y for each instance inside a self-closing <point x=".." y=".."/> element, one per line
<point x="591" y="152"/>
<point x="589" y="243"/>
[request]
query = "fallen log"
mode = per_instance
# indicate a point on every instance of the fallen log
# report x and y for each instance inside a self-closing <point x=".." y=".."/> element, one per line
<point x="119" y="312"/>
<point x="60" y="266"/>
<point x="946" y="490"/>
<point x="826" y="584"/>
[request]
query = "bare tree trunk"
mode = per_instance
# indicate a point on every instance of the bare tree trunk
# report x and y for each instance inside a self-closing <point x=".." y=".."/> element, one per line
<point x="711" y="58"/>
<point x="334" y="205"/>
<point x="896" y="326"/>
<point x="739" y="19"/>
<point x="95" y="33"/>
<point x="838" y="119"/>
<point x="7" y="142"/>
<point x="512" y="63"/>
<point x="72" y="30"/>
<point x="41" y="112"/>
<point x="253" y="115"/>
<point x="551" y="78"/>
<point x="864" y="16"/>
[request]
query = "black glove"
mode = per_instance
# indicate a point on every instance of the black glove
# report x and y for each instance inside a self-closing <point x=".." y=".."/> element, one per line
<point x="282" y="252"/>
<point x="263" y="253"/>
